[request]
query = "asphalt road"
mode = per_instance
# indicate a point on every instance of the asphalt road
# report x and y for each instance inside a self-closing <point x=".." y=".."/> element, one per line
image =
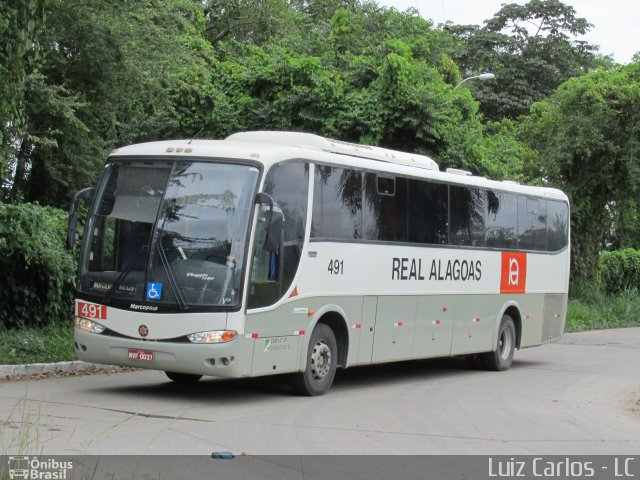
<point x="580" y="396"/>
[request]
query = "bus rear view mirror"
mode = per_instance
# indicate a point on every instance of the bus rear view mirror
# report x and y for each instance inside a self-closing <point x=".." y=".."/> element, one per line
<point x="73" y="215"/>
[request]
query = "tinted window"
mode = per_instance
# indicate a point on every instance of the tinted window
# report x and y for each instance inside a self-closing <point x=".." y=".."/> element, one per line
<point x="557" y="225"/>
<point x="428" y="212"/>
<point x="532" y="223"/>
<point x="385" y="215"/>
<point x="337" y="203"/>
<point x="125" y="216"/>
<point x="501" y="220"/>
<point x="381" y="207"/>
<point x="386" y="185"/>
<point x="468" y="206"/>
<point x="288" y="185"/>
<point x="273" y="272"/>
<point x="201" y="233"/>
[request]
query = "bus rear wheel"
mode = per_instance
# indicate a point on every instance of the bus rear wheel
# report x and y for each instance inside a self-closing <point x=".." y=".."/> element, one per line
<point x="322" y="358"/>
<point x="502" y="357"/>
<point x="183" y="378"/>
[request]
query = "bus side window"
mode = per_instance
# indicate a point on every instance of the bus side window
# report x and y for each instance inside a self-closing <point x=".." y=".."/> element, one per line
<point x="532" y="223"/>
<point x="501" y="220"/>
<point x="384" y="215"/>
<point x="337" y="204"/>
<point x="273" y="271"/>
<point x="557" y="225"/>
<point x="265" y="285"/>
<point x="467" y="216"/>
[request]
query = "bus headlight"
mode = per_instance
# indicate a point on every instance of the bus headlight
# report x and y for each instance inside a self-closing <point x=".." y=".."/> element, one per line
<point x="216" y="336"/>
<point x="89" y="325"/>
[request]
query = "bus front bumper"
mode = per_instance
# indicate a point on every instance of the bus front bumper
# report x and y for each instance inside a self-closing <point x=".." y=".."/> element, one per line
<point x="230" y="359"/>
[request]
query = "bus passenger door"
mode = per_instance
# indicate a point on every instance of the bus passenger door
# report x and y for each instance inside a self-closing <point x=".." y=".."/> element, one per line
<point x="367" y="328"/>
<point x="434" y="326"/>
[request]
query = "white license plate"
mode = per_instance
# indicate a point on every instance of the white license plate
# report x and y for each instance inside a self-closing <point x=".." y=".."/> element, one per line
<point x="142" y="355"/>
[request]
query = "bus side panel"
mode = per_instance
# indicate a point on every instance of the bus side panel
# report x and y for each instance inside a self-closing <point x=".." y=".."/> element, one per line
<point x="395" y="324"/>
<point x="434" y="326"/>
<point x="530" y="306"/>
<point x="553" y="318"/>
<point x="365" y="332"/>
<point x="474" y="324"/>
<point x="275" y="355"/>
<point x="296" y="318"/>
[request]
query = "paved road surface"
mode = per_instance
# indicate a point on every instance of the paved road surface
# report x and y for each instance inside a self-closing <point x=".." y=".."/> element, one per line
<point x="580" y="396"/>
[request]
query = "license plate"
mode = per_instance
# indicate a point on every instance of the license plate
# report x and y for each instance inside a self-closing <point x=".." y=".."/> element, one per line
<point x="142" y="355"/>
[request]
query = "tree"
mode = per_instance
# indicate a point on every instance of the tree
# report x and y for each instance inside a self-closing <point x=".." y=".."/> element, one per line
<point x="587" y="135"/>
<point x="105" y="76"/>
<point x="376" y="76"/>
<point x="531" y="48"/>
<point x="20" y="25"/>
<point x="109" y="74"/>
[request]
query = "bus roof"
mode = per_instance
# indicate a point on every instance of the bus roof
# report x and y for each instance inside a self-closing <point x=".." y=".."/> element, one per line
<point x="270" y="147"/>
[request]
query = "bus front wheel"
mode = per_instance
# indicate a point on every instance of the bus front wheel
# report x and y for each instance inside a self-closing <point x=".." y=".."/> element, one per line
<point x="322" y="357"/>
<point x="183" y="377"/>
<point x="501" y="358"/>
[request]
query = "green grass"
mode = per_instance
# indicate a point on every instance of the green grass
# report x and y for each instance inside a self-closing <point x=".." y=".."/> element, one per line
<point x="591" y="309"/>
<point x="37" y="345"/>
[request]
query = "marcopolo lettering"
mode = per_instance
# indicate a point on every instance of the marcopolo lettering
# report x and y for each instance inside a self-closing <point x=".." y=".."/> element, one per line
<point x="150" y="308"/>
<point x="457" y="270"/>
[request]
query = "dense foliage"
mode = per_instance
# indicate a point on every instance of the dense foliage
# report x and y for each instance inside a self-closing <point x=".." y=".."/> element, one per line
<point x="90" y="76"/>
<point x="587" y="139"/>
<point x="620" y="271"/>
<point x="38" y="273"/>
<point x="78" y="79"/>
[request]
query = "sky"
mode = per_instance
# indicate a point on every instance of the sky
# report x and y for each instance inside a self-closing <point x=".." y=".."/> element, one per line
<point x="615" y="22"/>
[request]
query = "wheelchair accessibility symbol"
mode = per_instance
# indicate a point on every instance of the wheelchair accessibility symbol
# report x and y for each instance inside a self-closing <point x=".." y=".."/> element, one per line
<point x="154" y="291"/>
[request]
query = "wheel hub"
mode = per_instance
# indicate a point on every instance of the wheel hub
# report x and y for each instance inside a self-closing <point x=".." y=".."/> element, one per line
<point x="320" y="360"/>
<point x="505" y="344"/>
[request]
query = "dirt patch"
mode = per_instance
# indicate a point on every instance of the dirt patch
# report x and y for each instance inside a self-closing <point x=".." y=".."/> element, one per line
<point x="63" y="374"/>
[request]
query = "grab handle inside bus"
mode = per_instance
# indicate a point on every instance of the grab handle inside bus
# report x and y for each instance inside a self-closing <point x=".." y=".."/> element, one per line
<point x="73" y="215"/>
<point x="275" y="223"/>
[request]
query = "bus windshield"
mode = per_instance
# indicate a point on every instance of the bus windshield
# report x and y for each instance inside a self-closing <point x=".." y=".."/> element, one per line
<point x="169" y="233"/>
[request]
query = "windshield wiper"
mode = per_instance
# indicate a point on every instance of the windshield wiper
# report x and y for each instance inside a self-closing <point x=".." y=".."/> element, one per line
<point x="122" y="276"/>
<point x="175" y="286"/>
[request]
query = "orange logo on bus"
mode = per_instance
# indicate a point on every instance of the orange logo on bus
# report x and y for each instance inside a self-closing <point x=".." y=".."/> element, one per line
<point x="513" y="277"/>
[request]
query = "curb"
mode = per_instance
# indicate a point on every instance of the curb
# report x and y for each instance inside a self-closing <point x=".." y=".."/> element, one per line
<point x="35" y="368"/>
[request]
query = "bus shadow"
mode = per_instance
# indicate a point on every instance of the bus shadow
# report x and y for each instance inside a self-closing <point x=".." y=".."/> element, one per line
<point x="209" y="388"/>
<point x="399" y="372"/>
<point x="251" y="389"/>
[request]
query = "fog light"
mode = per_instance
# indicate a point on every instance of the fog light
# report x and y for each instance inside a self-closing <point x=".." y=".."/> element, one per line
<point x="89" y="325"/>
<point x="216" y="336"/>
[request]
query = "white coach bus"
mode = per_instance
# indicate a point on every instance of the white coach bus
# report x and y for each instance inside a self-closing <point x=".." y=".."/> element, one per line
<point x="280" y="252"/>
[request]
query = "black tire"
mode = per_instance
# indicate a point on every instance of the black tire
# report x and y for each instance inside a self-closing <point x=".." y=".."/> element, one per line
<point x="501" y="358"/>
<point x="322" y="358"/>
<point x="183" y="378"/>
